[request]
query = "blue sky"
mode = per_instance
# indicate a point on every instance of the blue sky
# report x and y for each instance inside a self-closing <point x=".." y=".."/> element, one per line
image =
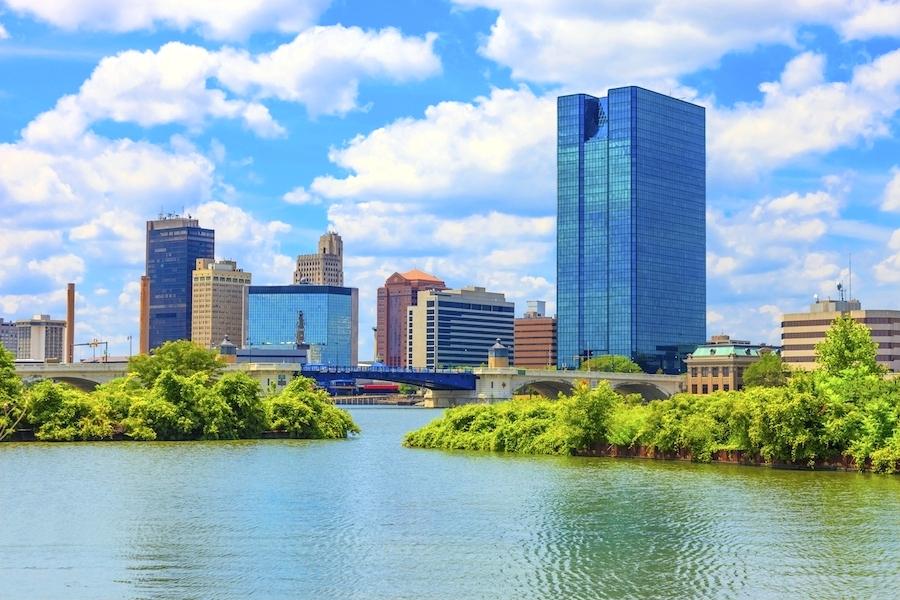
<point x="423" y="132"/>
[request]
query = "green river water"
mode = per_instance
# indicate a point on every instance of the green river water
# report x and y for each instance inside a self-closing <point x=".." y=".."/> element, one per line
<point x="367" y="518"/>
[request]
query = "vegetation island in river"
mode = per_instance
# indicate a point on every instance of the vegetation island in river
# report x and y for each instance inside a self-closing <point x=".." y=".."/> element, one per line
<point x="846" y="409"/>
<point x="178" y="393"/>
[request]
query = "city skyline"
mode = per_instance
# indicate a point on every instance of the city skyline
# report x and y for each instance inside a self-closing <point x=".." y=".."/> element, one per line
<point x="448" y="134"/>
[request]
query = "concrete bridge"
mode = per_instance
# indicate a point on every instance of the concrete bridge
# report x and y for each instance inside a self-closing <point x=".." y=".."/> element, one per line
<point x="499" y="384"/>
<point x="445" y="387"/>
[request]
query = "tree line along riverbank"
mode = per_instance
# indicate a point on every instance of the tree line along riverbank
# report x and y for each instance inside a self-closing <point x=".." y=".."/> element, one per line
<point x="178" y="393"/>
<point x="846" y="412"/>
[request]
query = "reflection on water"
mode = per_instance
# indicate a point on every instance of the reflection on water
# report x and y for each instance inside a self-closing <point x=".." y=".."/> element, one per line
<point x="366" y="518"/>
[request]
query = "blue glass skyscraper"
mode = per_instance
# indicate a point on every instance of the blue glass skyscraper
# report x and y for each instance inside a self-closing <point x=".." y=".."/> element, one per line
<point x="323" y="317"/>
<point x="631" y="227"/>
<point x="173" y="246"/>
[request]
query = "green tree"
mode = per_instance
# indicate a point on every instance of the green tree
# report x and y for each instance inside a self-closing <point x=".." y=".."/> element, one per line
<point x="611" y="363"/>
<point x="848" y="345"/>
<point x="61" y="413"/>
<point x="181" y="357"/>
<point x="12" y="405"/>
<point x="769" y="371"/>
<point x="304" y="411"/>
<point x="233" y="409"/>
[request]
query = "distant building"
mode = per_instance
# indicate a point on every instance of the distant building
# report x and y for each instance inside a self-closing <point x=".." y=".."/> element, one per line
<point x="498" y="356"/>
<point x="719" y="364"/>
<point x="219" y="305"/>
<point x="800" y="332"/>
<point x="323" y="318"/>
<point x="448" y="328"/>
<point x="400" y="291"/>
<point x="40" y="339"/>
<point x="535" y="338"/>
<point x="9" y="339"/>
<point x="325" y="266"/>
<point x="631" y="227"/>
<point x="173" y="246"/>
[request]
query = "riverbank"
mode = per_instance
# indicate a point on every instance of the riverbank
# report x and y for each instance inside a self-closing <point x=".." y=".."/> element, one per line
<point x="847" y="421"/>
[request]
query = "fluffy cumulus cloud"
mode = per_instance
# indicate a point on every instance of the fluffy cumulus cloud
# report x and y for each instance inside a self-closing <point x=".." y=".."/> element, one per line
<point x="888" y="270"/>
<point x="213" y="18"/>
<point x="594" y="43"/>
<point x="802" y="114"/>
<point x="320" y="68"/>
<point x="3" y="33"/>
<point x="500" y="146"/>
<point x="299" y="195"/>
<point x="891" y="197"/>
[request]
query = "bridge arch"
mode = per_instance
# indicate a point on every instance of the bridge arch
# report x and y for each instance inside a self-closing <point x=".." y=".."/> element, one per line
<point x="85" y="385"/>
<point x="548" y="388"/>
<point x="647" y="391"/>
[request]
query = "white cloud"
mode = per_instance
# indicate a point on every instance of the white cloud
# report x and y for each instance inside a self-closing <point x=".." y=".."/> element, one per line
<point x="61" y="269"/>
<point x="500" y="146"/>
<point x="888" y="270"/>
<point x="588" y="44"/>
<point x="214" y="18"/>
<point x="874" y="20"/>
<point x="320" y="68"/>
<point x="812" y="203"/>
<point x="93" y="174"/>
<point x="891" y="198"/>
<point x="299" y="195"/>
<point x="801" y="114"/>
<point x="3" y="33"/>
<point x="719" y="265"/>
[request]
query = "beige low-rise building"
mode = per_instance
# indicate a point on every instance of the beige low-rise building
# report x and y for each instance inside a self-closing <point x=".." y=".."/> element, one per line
<point x="219" y="301"/>
<point x="719" y="364"/>
<point x="800" y="332"/>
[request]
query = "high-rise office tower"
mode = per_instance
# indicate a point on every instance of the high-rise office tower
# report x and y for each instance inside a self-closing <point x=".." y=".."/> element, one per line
<point x="326" y="266"/>
<point x="40" y="339"/>
<point x="400" y="291"/>
<point x="219" y="303"/>
<point x="173" y="246"/>
<point x="450" y="328"/>
<point x="631" y="227"/>
<point x="9" y="338"/>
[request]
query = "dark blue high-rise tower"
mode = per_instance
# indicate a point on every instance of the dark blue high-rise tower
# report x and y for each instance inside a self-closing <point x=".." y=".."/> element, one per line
<point x="631" y="227"/>
<point x="173" y="246"/>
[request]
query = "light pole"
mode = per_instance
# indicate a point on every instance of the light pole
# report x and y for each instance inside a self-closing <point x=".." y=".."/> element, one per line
<point x="129" y="346"/>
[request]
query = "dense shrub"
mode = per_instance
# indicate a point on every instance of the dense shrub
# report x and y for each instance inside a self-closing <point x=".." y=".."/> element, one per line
<point x="817" y="416"/>
<point x="164" y="399"/>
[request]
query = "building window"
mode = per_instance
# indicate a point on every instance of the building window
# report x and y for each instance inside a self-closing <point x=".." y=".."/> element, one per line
<point x="704" y="371"/>
<point x="726" y="371"/>
<point x="726" y="387"/>
<point x="694" y="371"/>
<point x="715" y="387"/>
<point x="715" y="371"/>
<point x="694" y="388"/>
<point x="705" y="389"/>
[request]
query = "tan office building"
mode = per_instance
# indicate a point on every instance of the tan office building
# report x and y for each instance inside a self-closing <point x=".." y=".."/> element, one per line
<point x="219" y="299"/>
<point x="800" y="332"/>
<point x="719" y="364"/>
<point x="325" y="266"/>
<point x="535" y="338"/>
<point x="40" y="339"/>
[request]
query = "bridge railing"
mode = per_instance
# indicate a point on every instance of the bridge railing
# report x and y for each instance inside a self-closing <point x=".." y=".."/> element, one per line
<point x="376" y="370"/>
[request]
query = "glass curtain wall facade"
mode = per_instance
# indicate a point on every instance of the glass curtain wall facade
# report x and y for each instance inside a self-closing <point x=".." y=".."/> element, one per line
<point x="631" y="228"/>
<point x="324" y="317"/>
<point x="173" y="246"/>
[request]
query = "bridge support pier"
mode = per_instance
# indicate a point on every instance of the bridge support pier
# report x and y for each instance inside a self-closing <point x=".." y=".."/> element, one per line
<point x="448" y="398"/>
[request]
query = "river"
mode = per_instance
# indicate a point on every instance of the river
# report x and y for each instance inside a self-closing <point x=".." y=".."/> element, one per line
<point x="367" y="518"/>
